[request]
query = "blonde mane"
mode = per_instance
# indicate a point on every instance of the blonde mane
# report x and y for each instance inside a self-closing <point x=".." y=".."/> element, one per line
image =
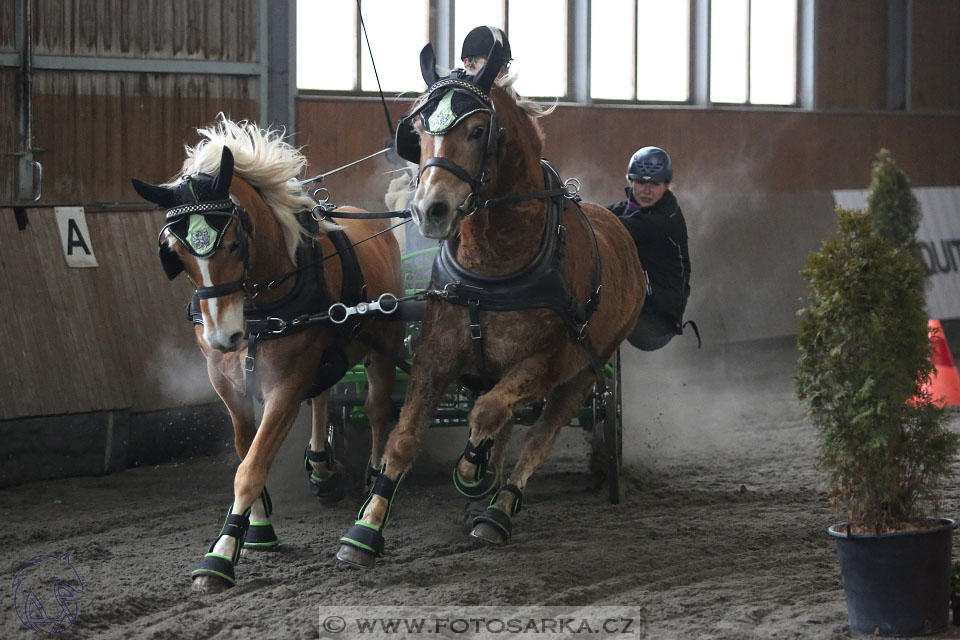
<point x="264" y="160"/>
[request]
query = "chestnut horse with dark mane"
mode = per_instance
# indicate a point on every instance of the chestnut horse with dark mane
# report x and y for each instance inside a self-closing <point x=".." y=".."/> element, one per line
<point x="515" y="293"/>
<point x="239" y="225"/>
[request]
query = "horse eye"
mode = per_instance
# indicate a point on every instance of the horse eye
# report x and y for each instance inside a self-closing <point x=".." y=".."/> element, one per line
<point x="234" y="247"/>
<point x="476" y="133"/>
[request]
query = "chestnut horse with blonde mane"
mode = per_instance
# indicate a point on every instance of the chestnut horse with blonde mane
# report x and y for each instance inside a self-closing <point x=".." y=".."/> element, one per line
<point x="233" y="228"/>
<point x="483" y="192"/>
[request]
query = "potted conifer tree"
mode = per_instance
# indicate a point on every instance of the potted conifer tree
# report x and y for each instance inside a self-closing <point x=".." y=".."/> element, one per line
<point x="884" y="445"/>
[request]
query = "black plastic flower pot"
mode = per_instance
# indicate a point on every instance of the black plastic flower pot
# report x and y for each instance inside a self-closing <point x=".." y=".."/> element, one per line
<point x="896" y="584"/>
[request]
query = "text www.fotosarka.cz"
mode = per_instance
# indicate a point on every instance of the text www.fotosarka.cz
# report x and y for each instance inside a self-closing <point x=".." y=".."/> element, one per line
<point x="478" y="622"/>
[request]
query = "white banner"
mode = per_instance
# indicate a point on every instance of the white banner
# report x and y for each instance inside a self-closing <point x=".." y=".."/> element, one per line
<point x="74" y="237"/>
<point x="479" y="622"/>
<point x="939" y="238"/>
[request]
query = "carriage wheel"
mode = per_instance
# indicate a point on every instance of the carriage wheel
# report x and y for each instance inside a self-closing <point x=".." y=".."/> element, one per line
<point x="613" y="432"/>
<point x="606" y="459"/>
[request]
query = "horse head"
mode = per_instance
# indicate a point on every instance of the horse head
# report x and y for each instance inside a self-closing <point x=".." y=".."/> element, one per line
<point x="454" y="134"/>
<point x="201" y="219"/>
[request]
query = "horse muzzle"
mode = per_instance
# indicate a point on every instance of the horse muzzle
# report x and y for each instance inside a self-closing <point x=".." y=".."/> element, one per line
<point x="436" y="218"/>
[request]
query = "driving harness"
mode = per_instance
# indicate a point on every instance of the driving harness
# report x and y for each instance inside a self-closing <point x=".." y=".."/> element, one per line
<point x="540" y="284"/>
<point x="307" y="298"/>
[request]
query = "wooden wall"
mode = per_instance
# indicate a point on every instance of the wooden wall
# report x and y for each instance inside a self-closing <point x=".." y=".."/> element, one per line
<point x="115" y="336"/>
<point x="92" y="339"/>
<point x="97" y="129"/>
<point x="755" y="184"/>
<point x="936" y="55"/>
<point x="851" y="54"/>
<point x="851" y="63"/>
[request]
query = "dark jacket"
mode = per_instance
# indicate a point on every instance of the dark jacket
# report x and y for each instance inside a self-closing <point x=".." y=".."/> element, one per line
<point x="660" y="234"/>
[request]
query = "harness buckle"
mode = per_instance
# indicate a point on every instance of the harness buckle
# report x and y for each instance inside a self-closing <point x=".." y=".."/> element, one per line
<point x="281" y="325"/>
<point x="449" y="290"/>
<point x="248" y="364"/>
<point x="583" y="331"/>
<point x="475" y="332"/>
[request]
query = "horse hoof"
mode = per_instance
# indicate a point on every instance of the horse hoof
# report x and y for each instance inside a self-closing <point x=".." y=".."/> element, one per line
<point x="210" y="584"/>
<point x="488" y="534"/>
<point x="354" y="557"/>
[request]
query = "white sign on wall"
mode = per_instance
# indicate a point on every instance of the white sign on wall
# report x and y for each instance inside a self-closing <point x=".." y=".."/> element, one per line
<point x="939" y="239"/>
<point x="74" y="237"/>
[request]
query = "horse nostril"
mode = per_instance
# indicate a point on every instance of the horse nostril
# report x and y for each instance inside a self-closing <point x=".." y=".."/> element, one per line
<point x="235" y="338"/>
<point x="437" y="211"/>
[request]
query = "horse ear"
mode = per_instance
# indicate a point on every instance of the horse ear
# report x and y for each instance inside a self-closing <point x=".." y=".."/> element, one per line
<point x="485" y="77"/>
<point x="221" y="185"/>
<point x="428" y="65"/>
<point x="162" y="196"/>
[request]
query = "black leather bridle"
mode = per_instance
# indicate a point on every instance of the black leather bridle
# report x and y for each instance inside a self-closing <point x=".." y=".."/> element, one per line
<point x="469" y="204"/>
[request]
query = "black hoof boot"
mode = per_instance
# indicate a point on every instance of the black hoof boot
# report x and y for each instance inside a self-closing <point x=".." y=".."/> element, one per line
<point x="215" y="571"/>
<point x="363" y="543"/>
<point x="361" y="546"/>
<point x="494" y="526"/>
<point x="484" y="481"/>
<point x="328" y="489"/>
<point x="260" y="535"/>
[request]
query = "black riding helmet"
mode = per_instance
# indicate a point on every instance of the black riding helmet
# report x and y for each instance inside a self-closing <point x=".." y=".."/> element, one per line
<point x="648" y="164"/>
<point x="480" y="40"/>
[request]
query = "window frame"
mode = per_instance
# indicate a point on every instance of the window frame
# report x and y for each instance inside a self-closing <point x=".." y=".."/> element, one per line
<point x="578" y="32"/>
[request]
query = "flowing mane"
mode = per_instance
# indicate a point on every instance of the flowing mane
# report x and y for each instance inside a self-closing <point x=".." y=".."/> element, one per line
<point x="264" y="160"/>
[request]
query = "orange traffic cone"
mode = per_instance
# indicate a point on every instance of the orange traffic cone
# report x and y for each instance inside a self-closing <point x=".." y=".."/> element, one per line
<point x="944" y="384"/>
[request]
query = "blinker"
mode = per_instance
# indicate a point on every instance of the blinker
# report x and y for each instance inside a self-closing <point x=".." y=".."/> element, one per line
<point x="451" y="100"/>
<point x="199" y="234"/>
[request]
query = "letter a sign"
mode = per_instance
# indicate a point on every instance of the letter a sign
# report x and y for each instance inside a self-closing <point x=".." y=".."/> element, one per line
<point x="74" y="237"/>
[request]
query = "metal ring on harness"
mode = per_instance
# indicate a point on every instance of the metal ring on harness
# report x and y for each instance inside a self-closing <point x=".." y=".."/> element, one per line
<point x="323" y="206"/>
<point x="572" y="187"/>
<point x="469" y="205"/>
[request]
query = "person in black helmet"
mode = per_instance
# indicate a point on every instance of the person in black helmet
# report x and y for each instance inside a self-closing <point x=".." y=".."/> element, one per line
<point x="653" y="217"/>
<point x="477" y="45"/>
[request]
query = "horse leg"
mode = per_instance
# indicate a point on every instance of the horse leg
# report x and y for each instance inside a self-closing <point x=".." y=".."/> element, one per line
<point x="261" y="534"/>
<point x="363" y="542"/>
<point x="215" y="571"/>
<point x="324" y="471"/>
<point x="493" y="526"/>
<point x="492" y="411"/>
<point x="381" y="376"/>
<point x="239" y="405"/>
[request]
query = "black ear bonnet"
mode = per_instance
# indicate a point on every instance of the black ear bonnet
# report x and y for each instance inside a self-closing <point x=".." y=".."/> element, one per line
<point x="450" y="100"/>
<point x="199" y="211"/>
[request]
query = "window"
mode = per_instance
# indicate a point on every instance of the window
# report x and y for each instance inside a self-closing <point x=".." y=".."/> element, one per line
<point x="330" y="42"/>
<point x="651" y="39"/>
<point x="639" y="50"/>
<point x="753" y="51"/>
<point x="538" y="38"/>
<point x="539" y="62"/>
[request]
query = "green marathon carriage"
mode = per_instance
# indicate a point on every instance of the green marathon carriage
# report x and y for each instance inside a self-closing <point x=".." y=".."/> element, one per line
<point x="349" y="433"/>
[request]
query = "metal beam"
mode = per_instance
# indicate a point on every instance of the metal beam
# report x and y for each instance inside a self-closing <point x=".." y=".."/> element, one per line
<point x="281" y="51"/>
<point x="441" y="33"/>
<point x="807" y="55"/>
<point x="578" y="50"/>
<point x="135" y="65"/>
<point x="700" y="52"/>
